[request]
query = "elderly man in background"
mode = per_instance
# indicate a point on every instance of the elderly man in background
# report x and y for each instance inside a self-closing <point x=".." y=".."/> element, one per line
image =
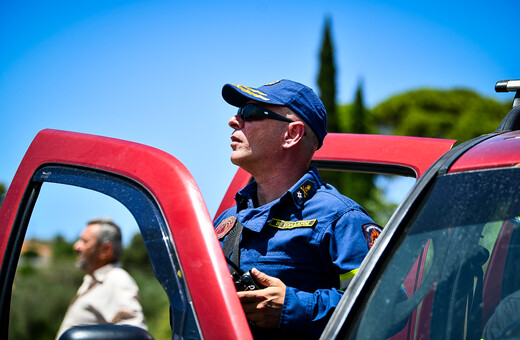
<point x="108" y="293"/>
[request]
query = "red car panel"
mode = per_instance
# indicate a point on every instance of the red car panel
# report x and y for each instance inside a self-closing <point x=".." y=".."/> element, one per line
<point x="413" y="153"/>
<point x="182" y="205"/>
<point x="499" y="151"/>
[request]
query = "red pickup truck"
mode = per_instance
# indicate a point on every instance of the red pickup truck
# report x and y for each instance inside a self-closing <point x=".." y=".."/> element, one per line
<point x="413" y="252"/>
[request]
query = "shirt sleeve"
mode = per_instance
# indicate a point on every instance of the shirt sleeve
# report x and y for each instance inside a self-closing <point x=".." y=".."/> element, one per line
<point x="127" y="309"/>
<point x="309" y="312"/>
<point x="343" y="247"/>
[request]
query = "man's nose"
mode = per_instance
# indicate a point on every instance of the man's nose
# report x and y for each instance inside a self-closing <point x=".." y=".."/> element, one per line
<point x="236" y="122"/>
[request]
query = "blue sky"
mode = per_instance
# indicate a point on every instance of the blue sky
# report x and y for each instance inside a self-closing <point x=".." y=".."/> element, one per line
<point x="152" y="71"/>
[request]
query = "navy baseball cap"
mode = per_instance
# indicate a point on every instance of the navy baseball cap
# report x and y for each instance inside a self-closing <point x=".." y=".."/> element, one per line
<point x="301" y="99"/>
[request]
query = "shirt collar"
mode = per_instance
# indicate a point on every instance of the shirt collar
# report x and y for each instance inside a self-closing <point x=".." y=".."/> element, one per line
<point x="297" y="195"/>
<point x="100" y="273"/>
<point x="302" y="191"/>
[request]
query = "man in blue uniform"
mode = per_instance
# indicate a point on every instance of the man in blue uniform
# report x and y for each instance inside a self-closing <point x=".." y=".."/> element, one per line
<point x="302" y="240"/>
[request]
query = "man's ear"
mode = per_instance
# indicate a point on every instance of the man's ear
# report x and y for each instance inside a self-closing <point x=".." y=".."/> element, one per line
<point x="294" y="134"/>
<point x="106" y="251"/>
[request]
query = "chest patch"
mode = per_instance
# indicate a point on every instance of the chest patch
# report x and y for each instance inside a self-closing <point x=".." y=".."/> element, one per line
<point x="281" y="224"/>
<point x="371" y="231"/>
<point x="225" y="226"/>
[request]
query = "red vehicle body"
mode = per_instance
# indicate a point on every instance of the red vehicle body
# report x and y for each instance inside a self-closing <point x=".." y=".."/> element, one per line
<point x="397" y="155"/>
<point x="181" y="244"/>
<point x="451" y="245"/>
<point x="176" y="195"/>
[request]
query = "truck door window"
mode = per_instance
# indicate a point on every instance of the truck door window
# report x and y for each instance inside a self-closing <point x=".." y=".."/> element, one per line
<point x="130" y="203"/>
<point x="379" y="194"/>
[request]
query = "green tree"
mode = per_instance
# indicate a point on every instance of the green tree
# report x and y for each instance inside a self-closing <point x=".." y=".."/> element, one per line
<point x="327" y="78"/>
<point x="152" y="295"/>
<point x="457" y="114"/>
<point x="61" y="248"/>
<point x="135" y="255"/>
<point x="361" y="187"/>
<point x="41" y="297"/>
<point x="2" y="193"/>
<point x="359" y="113"/>
<point x="347" y="118"/>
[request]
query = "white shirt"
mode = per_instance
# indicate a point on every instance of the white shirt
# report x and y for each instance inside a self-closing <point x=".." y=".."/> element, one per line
<point x="109" y="295"/>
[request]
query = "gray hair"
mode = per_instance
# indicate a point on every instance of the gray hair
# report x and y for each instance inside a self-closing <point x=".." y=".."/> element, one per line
<point x="109" y="232"/>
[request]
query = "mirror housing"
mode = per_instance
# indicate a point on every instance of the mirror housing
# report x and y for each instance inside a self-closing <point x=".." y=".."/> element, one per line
<point x="106" y="331"/>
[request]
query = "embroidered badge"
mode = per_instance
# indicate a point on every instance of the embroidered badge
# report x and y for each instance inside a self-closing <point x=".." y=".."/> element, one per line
<point x="281" y="224"/>
<point x="225" y="226"/>
<point x="304" y="192"/>
<point x="371" y="232"/>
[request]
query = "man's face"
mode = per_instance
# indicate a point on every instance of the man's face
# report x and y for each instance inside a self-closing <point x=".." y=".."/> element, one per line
<point x="256" y="142"/>
<point x="87" y="248"/>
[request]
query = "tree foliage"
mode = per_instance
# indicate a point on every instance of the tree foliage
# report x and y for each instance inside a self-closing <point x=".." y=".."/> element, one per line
<point x="456" y="114"/>
<point x="360" y="120"/>
<point x="360" y="187"/>
<point x="61" y="248"/>
<point x="41" y="295"/>
<point x="327" y="78"/>
<point x="3" y="190"/>
<point x="135" y="255"/>
<point x="153" y="298"/>
<point x="348" y="118"/>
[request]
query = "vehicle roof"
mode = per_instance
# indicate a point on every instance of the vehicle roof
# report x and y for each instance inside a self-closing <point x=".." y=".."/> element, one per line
<point x="502" y="150"/>
<point x="413" y="153"/>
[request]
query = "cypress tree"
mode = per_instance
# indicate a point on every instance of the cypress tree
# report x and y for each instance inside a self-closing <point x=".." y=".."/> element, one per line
<point x="327" y="78"/>
<point x="358" y="114"/>
<point x="361" y="186"/>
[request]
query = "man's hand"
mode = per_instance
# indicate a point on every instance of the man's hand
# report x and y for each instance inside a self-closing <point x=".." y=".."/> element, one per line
<point x="263" y="307"/>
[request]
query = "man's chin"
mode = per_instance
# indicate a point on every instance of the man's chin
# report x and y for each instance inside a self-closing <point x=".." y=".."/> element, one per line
<point x="234" y="161"/>
<point x="81" y="264"/>
<point x="238" y="158"/>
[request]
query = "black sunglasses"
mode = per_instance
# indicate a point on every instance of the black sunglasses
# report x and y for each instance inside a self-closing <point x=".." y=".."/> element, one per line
<point x="256" y="112"/>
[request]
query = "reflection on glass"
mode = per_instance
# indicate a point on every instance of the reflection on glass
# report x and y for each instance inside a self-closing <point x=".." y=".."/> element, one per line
<point x="457" y="261"/>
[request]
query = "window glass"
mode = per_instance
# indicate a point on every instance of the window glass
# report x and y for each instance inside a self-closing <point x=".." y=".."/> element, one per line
<point x="46" y="269"/>
<point x="455" y="274"/>
<point x="378" y="194"/>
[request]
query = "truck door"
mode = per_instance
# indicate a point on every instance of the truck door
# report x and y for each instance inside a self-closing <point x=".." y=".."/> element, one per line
<point x="164" y="200"/>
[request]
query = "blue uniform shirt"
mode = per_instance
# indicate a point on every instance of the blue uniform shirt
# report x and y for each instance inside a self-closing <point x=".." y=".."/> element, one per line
<point x="312" y="238"/>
